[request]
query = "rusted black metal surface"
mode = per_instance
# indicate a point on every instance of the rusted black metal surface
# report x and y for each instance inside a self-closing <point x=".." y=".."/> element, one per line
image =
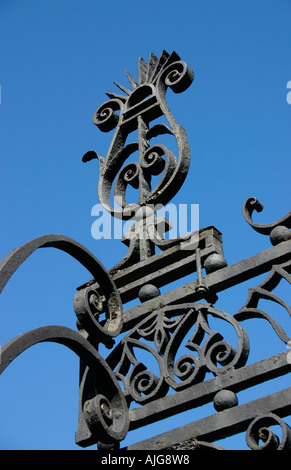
<point x="126" y="391"/>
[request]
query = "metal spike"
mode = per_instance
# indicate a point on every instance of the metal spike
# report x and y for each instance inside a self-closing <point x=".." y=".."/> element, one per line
<point x="142" y="70"/>
<point x="121" y="87"/>
<point x="131" y="80"/>
<point x="151" y="66"/>
<point x="115" y="96"/>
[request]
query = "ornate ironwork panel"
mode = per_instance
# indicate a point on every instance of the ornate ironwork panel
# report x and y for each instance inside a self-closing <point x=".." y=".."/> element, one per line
<point x="175" y="351"/>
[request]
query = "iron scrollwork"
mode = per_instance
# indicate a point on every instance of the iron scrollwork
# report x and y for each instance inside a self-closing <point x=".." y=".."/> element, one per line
<point x="172" y="343"/>
<point x="107" y="413"/>
<point x="132" y="112"/>
<point x="264" y="291"/>
<point x="146" y="102"/>
<point x="113" y="306"/>
<point x="278" y="231"/>
<point x="161" y="335"/>
<point x="259" y="436"/>
<point x="107" y="388"/>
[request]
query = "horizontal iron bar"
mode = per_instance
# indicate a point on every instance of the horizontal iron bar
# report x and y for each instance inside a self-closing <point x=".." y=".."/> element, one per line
<point x="223" y="424"/>
<point x="216" y="281"/>
<point x="173" y="263"/>
<point x="202" y="393"/>
<point x="209" y="238"/>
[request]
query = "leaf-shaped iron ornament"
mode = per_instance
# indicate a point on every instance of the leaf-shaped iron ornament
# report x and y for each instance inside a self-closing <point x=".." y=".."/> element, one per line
<point x="145" y="103"/>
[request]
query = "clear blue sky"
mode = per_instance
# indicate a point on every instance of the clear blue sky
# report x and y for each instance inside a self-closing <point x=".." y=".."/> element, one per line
<point x="58" y="58"/>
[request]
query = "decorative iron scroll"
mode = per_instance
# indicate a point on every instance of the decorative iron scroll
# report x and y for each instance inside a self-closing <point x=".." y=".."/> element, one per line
<point x="112" y="304"/>
<point x="107" y="412"/>
<point x="165" y="329"/>
<point x="259" y="429"/>
<point x="278" y="231"/>
<point x="176" y="350"/>
<point x="145" y="103"/>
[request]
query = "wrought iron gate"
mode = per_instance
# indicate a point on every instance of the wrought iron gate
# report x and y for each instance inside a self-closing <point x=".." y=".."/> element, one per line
<point x="173" y="353"/>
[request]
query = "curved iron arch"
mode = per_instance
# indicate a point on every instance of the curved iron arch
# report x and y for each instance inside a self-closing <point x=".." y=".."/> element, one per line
<point x="114" y="311"/>
<point x="107" y="386"/>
